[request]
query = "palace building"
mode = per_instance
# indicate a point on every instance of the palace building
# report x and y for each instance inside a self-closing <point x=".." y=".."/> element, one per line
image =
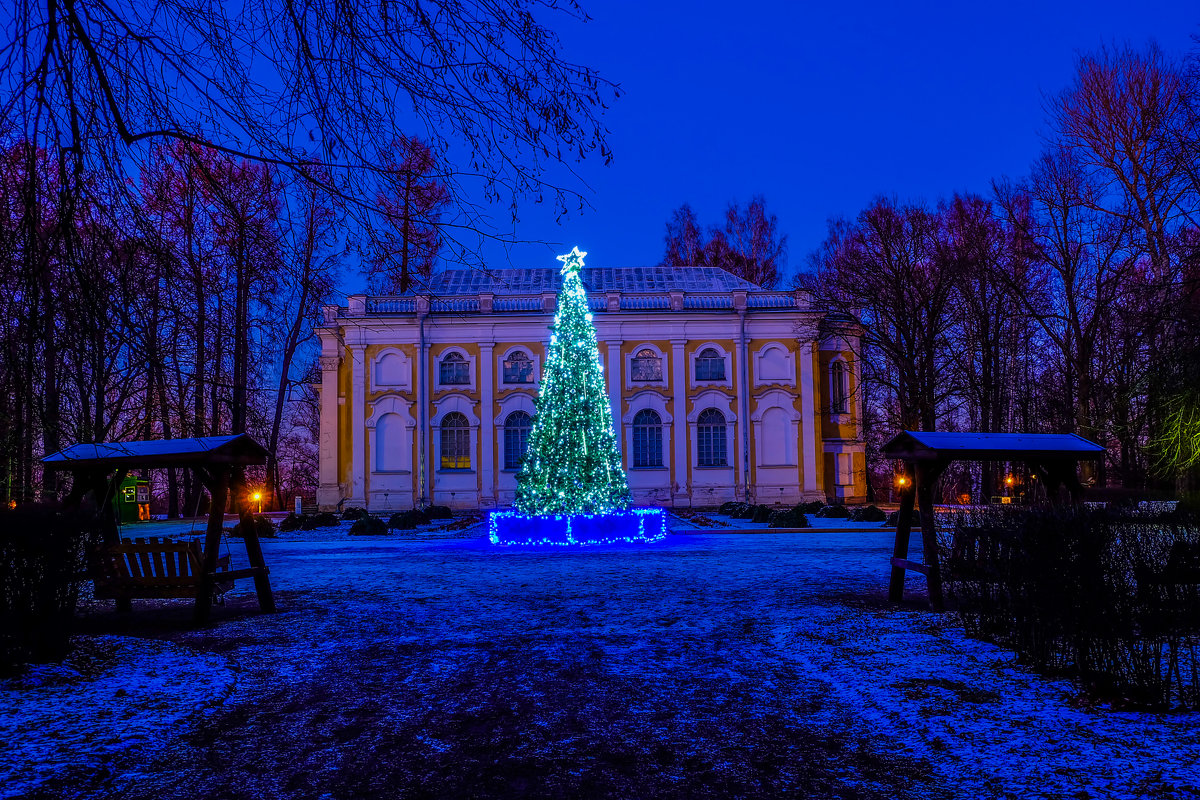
<point x="720" y="389"/>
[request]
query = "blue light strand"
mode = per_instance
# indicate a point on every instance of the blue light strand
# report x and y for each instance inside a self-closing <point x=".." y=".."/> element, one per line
<point x="651" y="526"/>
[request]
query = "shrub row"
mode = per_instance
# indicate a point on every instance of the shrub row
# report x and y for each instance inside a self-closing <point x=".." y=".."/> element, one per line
<point x="307" y="522"/>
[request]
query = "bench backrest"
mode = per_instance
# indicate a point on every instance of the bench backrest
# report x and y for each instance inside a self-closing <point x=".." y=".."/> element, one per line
<point x="153" y="558"/>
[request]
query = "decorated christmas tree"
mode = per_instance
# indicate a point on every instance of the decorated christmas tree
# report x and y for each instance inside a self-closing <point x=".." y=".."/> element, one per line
<point x="572" y="465"/>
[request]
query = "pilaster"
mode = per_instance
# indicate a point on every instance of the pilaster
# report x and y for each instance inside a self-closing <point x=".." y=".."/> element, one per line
<point x="681" y="490"/>
<point x="808" y="418"/>
<point x="358" y="417"/>
<point x="487" y="425"/>
<point x="329" y="493"/>
<point x="612" y="368"/>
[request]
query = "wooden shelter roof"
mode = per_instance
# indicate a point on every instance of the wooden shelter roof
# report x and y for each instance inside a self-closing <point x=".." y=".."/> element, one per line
<point x="965" y="446"/>
<point x="196" y="452"/>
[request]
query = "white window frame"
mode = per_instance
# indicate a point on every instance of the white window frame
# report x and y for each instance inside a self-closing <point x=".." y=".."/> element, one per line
<point x="836" y="415"/>
<point x="533" y="356"/>
<point x="777" y="398"/>
<point x="454" y="387"/>
<point x="694" y="356"/>
<point x="389" y="404"/>
<point x="464" y="406"/>
<point x="789" y="358"/>
<point x="630" y="383"/>
<point x="516" y="401"/>
<point x="658" y="404"/>
<point x="723" y="403"/>
<point x="405" y="383"/>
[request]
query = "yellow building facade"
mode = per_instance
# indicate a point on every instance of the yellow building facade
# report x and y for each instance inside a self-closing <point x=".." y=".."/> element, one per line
<point x="720" y="390"/>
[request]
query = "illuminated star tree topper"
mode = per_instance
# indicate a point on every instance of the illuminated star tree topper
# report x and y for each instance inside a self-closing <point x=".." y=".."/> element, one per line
<point x="572" y="465"/>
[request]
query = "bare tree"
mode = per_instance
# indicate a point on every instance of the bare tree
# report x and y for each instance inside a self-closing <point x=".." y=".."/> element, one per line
<point x="884" y="264"/>
<point x="321" y="91"/>
<point x="684" y="239"/>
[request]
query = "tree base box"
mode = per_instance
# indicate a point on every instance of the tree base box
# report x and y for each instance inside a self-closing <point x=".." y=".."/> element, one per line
<point x="613" y="527"/>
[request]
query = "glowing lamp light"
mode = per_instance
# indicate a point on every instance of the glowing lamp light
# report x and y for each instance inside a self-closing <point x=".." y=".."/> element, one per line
<point x="1009" y="480"/>
<point x="257" y="497"/>
<point x="902" y="481"/>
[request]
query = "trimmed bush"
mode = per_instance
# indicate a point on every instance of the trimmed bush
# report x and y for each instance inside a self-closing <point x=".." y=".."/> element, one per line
<point x="262" y="526"/>
<point x="811" y="507"/>
<point x="727" y="508"/>
<point x="761" y="514"/>
<point x="407" y="520"/>
<point x="292" y="522"/>
<point x="742" y="511"/>
<point x="355" y="513"/>
<point x="868" y="514"/>
<point x="834" y="512"/>
<point x="43" y="557"/>
<point x="439" y="512"/>
<point x="325" y="519"/>
<point x="368" y="526"/>
<point x="788" y="518"/>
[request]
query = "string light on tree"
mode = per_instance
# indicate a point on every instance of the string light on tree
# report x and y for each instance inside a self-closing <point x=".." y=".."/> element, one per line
<point x="571" y="479"/>
<point x="572" y="465"/>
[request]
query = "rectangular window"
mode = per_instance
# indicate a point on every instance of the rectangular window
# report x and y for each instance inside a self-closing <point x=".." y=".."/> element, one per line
<point x="646" y="367"/>
<point x="710" y="445"/>
<point x="456" y="448"/>
<point x="647" y="446"/>
<point x="845" y="469"/>
<point x="518" y="371"/>
<point x="454" y="372"/>
<point x="516" y="442"/>
<point x="710" y="369"/>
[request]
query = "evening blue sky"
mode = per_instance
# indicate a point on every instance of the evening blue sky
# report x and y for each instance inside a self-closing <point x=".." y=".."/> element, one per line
<point x="819" y="107"/>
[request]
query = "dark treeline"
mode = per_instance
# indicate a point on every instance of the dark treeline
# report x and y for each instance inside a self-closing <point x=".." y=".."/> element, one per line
<point x="180" y="308"/>
<point x="1066" y="301"/>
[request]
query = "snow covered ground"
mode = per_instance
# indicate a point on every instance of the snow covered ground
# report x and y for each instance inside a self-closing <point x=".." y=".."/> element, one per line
<point x="711" y="664"/>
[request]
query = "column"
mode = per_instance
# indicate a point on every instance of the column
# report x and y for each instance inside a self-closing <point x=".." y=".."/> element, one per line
<point x="358" y="429"/>
<point x="681" y="491"/>
<point x="487" y="425"/>
<point x="328" y="492"/>
<point x="808" y="417"/>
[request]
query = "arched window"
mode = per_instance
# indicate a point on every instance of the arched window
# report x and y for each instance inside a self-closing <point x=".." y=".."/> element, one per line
<point x="516" y="438"/>
<point x="518" y="368"/>
<point x="647" y="439"/>
<point x="646" y="366"/>
<point x="839" y="388"/>
<point x="710" y="365"/>
<point x="456" y="441"/>
<point x="710" y="439"/>
<point x="454" y="370"/>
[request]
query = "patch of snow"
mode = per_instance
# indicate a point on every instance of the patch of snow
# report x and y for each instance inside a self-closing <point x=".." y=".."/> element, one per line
<point x="113" y="697"/>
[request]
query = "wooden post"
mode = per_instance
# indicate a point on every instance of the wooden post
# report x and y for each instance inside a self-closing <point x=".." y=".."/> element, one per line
<point x="218" y="486"/>
<point x="900" y="551"/>
<point x="927" y="474"/>
<point x="254" y="553"/>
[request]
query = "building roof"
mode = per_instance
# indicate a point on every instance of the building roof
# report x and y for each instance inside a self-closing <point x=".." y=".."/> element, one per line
<point x="929" y="445"/>
<point x="595" y="280"/>
<point x="237" y="449"/>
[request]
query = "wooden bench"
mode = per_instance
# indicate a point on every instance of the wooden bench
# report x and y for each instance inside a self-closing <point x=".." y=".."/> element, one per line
<point x="155" y="568"/>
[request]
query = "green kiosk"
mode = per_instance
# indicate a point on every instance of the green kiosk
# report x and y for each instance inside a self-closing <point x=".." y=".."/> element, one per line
<point x="133" y="500"/>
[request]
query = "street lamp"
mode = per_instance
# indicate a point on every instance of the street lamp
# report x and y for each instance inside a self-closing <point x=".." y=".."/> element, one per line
<point x="258" y="499"/>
